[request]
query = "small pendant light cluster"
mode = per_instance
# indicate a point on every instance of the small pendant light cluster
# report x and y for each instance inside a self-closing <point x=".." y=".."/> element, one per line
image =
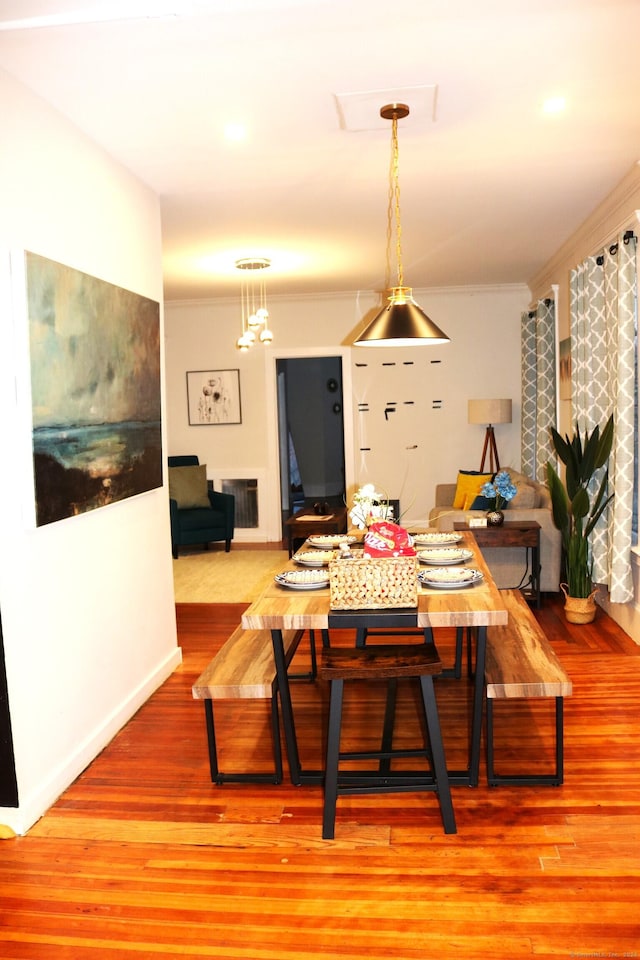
<point x="255" y="316"/>
<point x="401" y="323"/>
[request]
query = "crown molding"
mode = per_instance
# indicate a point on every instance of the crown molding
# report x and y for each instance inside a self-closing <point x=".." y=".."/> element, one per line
<point x="272" y="298"/>
<point x="474" y="288"/>
<point x="619" y="211"/>
<point x="375" y="295"/>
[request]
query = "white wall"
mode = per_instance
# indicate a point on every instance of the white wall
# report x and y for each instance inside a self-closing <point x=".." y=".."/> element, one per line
<point x="87" y="603"/>
<point x="482" y="360"/>
<point x="427" y="439"/>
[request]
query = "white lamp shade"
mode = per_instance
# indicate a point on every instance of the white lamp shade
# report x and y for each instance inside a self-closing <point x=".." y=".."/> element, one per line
<point x="489" y="411"/>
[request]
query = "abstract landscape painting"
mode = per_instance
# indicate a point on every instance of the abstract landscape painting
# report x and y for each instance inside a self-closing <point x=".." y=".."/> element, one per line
<point x="95" y="390"/>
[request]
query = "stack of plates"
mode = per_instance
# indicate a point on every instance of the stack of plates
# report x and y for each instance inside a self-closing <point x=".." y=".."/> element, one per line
<point x="314" y="558"/>
<point x="435" y="537"/>
<point x="303" y="579"/>
<point x="329" y="541"/>
<point x="450" y="578"/>
<point x="438" y="556"/>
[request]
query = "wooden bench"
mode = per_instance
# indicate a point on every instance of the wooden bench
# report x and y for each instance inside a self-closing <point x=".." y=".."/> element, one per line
<point x="521" y="663"/>
<point x="244" y="669"/>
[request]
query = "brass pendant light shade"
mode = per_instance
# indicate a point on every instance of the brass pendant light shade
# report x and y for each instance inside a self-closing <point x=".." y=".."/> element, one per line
<point x="401" y="323"/>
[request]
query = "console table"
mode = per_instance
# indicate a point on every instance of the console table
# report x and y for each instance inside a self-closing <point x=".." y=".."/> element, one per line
<point x="306" y="523"/>
<point x="513" y="533"/>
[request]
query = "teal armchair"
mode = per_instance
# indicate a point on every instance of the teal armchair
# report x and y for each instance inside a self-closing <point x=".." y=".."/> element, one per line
<point x="198" y="515"/>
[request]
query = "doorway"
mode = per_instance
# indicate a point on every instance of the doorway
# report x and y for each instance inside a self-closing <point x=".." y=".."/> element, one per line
<point x="311" y="441"/>
<point x="8" y="782"/>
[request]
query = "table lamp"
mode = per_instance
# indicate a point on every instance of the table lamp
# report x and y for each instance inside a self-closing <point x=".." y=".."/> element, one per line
<point x="489" y="412"/>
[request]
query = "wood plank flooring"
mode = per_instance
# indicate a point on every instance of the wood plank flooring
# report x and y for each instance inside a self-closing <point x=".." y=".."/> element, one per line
<point x="144" y="857"/>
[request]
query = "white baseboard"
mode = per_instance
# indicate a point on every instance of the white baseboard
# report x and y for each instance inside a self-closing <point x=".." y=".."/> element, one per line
<point x="21" y="819"/>
<point x="626" y="615"/>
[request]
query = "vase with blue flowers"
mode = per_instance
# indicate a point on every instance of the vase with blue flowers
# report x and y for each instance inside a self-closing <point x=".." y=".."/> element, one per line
<point x="501" y="489"/>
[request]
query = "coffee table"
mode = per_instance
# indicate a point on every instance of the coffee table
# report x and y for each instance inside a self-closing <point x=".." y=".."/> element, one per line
<point x="306" y="523"/>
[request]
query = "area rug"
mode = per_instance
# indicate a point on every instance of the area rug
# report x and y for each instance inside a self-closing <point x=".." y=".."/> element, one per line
<point x="213" y="576"/>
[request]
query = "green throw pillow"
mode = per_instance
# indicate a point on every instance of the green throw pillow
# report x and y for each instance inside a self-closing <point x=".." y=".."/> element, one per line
<point x="486" y="503"/>
<point x="188" y="486"/>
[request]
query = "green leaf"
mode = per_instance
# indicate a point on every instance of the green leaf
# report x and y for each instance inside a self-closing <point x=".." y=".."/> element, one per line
<point x="580" y="504"/>
<point x="596" y="515"/>
<point x="562" y="447"/>
<point x="588" y="462"/>
<point x="559" y="501"/>
<point x="572" y="479"/>
<point x="576" y="446"/>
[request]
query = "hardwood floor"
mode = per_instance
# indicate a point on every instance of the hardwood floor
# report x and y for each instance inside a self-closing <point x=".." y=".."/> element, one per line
<point x="144" y="857"/>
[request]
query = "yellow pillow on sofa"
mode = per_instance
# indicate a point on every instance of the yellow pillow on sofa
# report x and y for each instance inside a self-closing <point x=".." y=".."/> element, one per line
<point x="468" y="486"/>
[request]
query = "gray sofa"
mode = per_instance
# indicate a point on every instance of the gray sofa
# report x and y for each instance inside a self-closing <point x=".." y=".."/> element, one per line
<point x="508" y="565"/>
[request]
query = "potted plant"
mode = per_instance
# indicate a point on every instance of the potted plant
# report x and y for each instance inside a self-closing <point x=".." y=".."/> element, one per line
<point x="574" y="513"/>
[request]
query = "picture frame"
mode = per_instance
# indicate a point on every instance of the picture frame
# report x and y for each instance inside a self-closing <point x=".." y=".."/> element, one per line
<point x="213" y="397"/>
<point x="96" y="421"/>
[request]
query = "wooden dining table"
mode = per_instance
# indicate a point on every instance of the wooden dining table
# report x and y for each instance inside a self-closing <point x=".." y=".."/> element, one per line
<point x="475" y="607"/>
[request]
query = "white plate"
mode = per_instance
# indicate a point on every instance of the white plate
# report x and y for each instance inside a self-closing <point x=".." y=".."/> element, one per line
<point x="447" y="578"/>
<point x="437" y="537"/>
<point x="439" y="556"/>
<point x="328" y="541"/>
<point x="303" y="579"/>
<point x="314" y="558"/>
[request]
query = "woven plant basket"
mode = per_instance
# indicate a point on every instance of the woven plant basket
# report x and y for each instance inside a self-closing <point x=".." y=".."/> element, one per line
<point x="578" y="609"/>
<point x="366" y="583"/>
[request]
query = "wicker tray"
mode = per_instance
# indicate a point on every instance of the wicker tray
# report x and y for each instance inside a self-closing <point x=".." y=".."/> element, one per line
<point x="371" y="584"/>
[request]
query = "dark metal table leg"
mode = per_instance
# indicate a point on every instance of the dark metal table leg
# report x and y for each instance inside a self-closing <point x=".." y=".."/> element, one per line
<point x="287" y="709"/>
<point x="388" y="725"/>
<point x="559" y="740"/>
<point x="333" y="759"/>
<point x="478" y="698"/>
<point x="298" y="775"/>
<point x="211" y="740"/>
<point x="437" y="754"/>
<point x="535" y="569"/>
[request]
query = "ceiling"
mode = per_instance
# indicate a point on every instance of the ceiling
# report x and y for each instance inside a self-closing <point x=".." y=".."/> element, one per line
<point x="491" y="185"/>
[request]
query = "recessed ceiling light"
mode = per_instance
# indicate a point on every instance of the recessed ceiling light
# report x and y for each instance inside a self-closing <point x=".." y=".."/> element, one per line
<point x="554" y="105"/>
<point x="236" y="132"/>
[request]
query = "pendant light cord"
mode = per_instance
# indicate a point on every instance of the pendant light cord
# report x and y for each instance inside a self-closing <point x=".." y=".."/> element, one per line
<point x="401" y="322"/>
<point x="393" y="207"/>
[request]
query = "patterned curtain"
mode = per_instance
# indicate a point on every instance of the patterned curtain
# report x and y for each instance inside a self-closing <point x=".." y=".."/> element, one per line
<point x="603" y="381"/>
<point x="538" y="341"/>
